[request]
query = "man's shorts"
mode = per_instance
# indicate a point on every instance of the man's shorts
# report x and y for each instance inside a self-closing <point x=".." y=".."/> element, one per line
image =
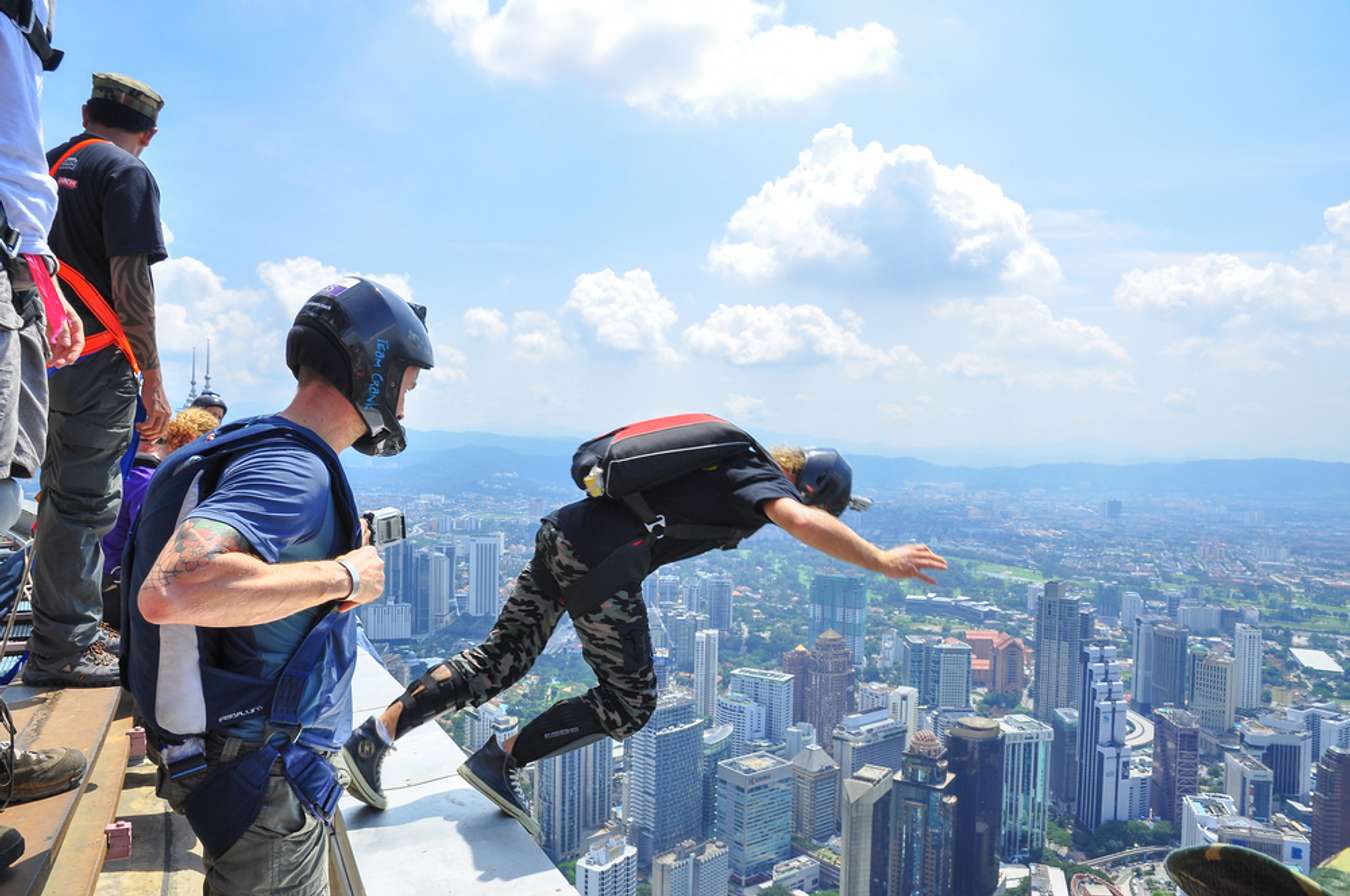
<point x="23" y="375"/>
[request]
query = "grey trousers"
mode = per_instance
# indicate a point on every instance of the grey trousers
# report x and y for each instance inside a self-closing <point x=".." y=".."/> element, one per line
<point x="23" y="376"/>
<point x="93" y="406"/>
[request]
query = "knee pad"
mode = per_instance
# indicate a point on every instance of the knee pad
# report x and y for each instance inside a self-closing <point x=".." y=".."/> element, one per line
<point x="428" y="697"/>
<point x="563" y="726"/>
<point x="11" y="503"/>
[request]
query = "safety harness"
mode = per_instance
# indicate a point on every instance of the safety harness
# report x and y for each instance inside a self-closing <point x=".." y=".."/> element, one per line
<point x="183" y="692"/>
<point x="24" y="14"/>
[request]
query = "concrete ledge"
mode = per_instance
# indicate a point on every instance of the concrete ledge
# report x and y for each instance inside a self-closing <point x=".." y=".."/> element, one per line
<point x="438" y="835"/>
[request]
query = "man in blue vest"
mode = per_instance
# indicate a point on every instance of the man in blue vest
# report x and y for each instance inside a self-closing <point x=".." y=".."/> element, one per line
<point x="238" y="645"/>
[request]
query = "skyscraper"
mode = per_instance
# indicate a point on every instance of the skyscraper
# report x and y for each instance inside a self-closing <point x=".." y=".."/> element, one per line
<point x="609" y="868"/>
<point x="1059" y="637"/>
<point x="557" y="805"/>
<point x="864" y="858"/>
<point x="815" y="794"/>
<point x="1141" y="685"/>
<point x="485" y="578"/>
<point x="746" y="718"/>
<point x="869" y="738"/>
<point x="754" y="814"/>
<point x="1286" y="750"/>
<point x="831" y="690"/>
<point x="420" y="598"/>
<point x="705" y="672"/>
<point x="951" y="660"/>
<point x="772" y="690"/>
<point x="1169" y="664"/>
<point x="661" y="761"/>
<point x="441" y="587"/>
<point x="904" y="708"/>
<point x="1103" y="756"/>
<point x="717" y="745"/>
<point x="975" y="757"/>
<point x="798" y="663"/>
<point x="1026" y="778"/>
<point x="1213" y="689"/>
<point x="1247" y="647"/>
<point x="398" y="566"/>
<point x="682" y="626"/>
<point x="923" y="823"/>
<point x="1331" y="804"/>
<point x="1064" y="759"/>
<point x="839" y="603"/>
<point x="798" y="737"/>
<point x="1176" y="760"/>
<point x="715" y="600"/>
<point x="692" y="870"/>
<point x="1250" y="783"/>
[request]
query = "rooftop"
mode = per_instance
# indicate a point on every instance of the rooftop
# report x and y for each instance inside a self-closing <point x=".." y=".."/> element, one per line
<point x="1316" y="661"/>
<point x="754" y="763"/>
<point x="1211" y="805"/>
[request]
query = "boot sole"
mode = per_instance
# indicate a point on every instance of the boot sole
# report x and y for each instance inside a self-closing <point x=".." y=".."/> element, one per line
<point x="53" y="790"/>
<point x="39" y="680"/>
<point x="358" y="787"/>
<point x="526" y="819"/>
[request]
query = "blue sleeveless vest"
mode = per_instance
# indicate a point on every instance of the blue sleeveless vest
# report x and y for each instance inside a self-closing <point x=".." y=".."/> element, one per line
<point x="181" y="690"/>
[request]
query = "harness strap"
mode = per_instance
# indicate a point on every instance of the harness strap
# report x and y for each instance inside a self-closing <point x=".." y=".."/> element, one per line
<point x="39" y="38"/>
<point x="88" y="295"/>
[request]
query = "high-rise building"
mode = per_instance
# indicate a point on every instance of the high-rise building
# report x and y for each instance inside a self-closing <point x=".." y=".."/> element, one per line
<point x="1026" y="779"/>
<point x="692" y="870"/>
<point x="754" y="814"/>
<point x="839" y="603"/>
<point x="485" y="577"/>
<point x="714" y="593"/>
<point x="705" y="672"/>
<point x="904" y="708"/>
<point x="386" y="621"/>
<point x="488" y="720"/>
<point x="1250" y="783"/>
<point x="975" y="757"/>
<point x="1108" y="600"/>
<point x="1331" y="805"/>
<point x="420" y="596"/>
<point x="1059" y="639"/>
<point x="799" y="663"/>
<point x="667" y="589"/>
<point x="772" y="690"/>
<point x="1247" y="653"/>
<point x="746" y="718"/>
<point x="865" y="845"/>
<point x="915" y="670"/>
<point x="868" y="738"/>
<point x="831" y="690"/>
<point x="660" y="807"/>
<point x="1213" y="689"/>
<point x="798" y="737"/>
<point x="717" y="745"/>
<point x="939" y="668"/>
<point x="872" y="695"/>
<point x="441" y="587"/>
<point x="1325" y="722"/>
<point x="557" y="805"/>
<point x="1284" y="748"/>
<point x="815" y="794"/>
<point x="1176" y="760"/>
<point x="1169" y="664"/>
<point x="1103" y="756"/>
<point x="1141" y="685"/>
<point x="923" y="822"/>
<point x="1064" y="759"/>
<point x="1131" y="606"/>
<point x="682" y="626"/>
<point x="398" y="568"/>
<point x="610" y="868"/>
<point x="998" y="661"/>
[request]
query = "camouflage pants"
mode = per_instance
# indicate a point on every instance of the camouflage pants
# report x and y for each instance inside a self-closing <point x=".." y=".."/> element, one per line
<point x="615" y="642"/>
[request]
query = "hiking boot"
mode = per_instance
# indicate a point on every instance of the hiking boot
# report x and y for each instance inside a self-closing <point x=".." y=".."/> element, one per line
<point x="109" y="638"/>
<point x="361" y="756"/>
<point x="40" y="773"/>
<point x="94" y="668"/>
<point x="493" y="772"/>
<point x="11" y="846"/>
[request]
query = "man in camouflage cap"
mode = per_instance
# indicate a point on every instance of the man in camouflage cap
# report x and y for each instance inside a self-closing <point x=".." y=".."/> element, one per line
<point x="106" y="235"/>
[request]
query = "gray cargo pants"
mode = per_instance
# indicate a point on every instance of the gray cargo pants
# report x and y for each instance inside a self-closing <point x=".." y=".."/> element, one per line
<point x="23" y="374"/>
<point x="93" y="405"/>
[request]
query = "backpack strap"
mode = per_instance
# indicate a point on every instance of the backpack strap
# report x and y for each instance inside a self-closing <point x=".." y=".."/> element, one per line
<point x="38" y="37"/>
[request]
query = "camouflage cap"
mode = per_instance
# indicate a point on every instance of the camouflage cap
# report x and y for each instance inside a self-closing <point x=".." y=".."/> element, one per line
<point x="135" y="95"/>
<point x="1222" y="869"/>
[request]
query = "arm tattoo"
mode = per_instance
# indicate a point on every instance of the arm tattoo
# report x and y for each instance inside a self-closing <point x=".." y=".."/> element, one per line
<point x="195" y="544"/>
<point x="134" y="301"/>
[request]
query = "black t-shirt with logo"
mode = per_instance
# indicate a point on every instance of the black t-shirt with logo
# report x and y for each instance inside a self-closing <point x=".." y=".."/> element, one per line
<point x="109" y="206"/>
<point x="732" y="495"/>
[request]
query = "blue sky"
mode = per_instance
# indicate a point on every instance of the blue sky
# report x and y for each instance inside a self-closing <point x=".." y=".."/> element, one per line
<point x="1082" y="233"/>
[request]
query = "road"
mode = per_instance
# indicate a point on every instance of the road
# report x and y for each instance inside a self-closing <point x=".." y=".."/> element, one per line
<point x="1139" y="730"/>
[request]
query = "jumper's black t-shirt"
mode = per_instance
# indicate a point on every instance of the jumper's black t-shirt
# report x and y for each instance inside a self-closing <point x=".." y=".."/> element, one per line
<point x="731" y="495"/>
<point x="108" y="206"/>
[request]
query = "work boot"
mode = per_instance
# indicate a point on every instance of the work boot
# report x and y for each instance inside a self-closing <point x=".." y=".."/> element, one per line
<point x="362" y="756"/>
<point x="39" y="774"/>
<point x="493" y="772"/>
<point x="96" y="667"/>
<point x="11" y="846"/>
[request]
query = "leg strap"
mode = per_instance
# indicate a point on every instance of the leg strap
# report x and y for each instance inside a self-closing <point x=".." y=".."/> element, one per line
<point x="563" y="726"/>
<point x="429" y="696"/>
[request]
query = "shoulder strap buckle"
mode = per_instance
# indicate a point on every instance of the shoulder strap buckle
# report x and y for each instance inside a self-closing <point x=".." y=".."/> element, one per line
<point x="657" y="527"/>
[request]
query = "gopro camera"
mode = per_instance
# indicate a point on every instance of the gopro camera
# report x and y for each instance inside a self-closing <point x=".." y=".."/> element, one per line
<point x="387" y="526"/>
<point x="859" y="503"/>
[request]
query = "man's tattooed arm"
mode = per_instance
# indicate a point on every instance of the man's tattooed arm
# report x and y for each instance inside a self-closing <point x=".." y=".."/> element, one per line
<point x="194" y="545"/>
<point x="134" y="300"/>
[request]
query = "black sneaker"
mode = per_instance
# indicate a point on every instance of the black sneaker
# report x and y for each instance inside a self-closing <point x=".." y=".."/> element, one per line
<point x="492" y="773"/>
<point x="11" y="846"/>
<point x="96" y="667"/>
<point x="362" y="755"/>
<point x="39" y="774"/>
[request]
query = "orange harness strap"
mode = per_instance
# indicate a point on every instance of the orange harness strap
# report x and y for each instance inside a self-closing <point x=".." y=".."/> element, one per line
<point x="88" y="294"/>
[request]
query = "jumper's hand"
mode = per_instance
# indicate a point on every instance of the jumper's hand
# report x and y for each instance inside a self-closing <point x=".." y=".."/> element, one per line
<point x="370" y="565"/>
<point x="908" y="561"/>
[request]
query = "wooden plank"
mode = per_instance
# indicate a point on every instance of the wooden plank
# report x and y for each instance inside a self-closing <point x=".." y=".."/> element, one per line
<point x="47" y="718"/>
<point x="80" y="860"/>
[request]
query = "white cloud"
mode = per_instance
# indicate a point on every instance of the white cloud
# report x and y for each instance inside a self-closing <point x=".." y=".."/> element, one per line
<point x="1028" y="322"/>
<point x="748" y="335"/>
<point x="538" y="338"/>
<point x="971" y="366"/>
<point x="626" y="313"/>
<point x="700" y="57"/>
<point x="975" y="366"/>
<point x="898" y="216"/>
<point x="294" y="280"/>
<point x="484" y="323"/>
<point x="745" y="407"/>
<point x="1183" y="401"/>
<point x="906" y="413"/>
<point x="1337" y="221"/>
<point x="193" y="304"/>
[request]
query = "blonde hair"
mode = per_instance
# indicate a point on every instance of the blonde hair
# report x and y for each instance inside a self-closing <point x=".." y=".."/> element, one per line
<point x="186" y="425"/>
<point x="792" y="460"/>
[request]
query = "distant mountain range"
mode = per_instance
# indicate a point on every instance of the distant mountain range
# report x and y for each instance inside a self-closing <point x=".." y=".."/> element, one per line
<point x="450" y="462"/>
